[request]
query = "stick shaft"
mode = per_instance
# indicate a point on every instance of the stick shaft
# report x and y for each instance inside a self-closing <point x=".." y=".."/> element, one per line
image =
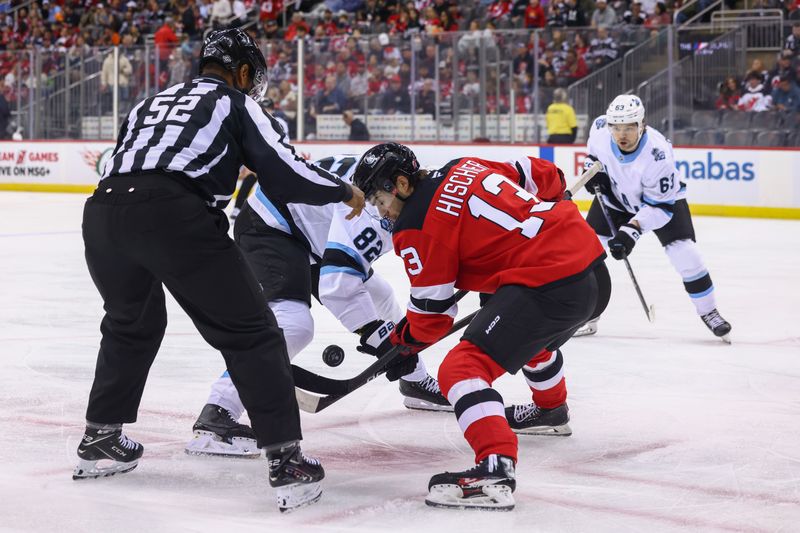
<point x="613" y="229"/>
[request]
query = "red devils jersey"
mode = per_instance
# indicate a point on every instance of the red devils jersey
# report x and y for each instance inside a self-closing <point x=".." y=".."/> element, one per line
<point x="479" y="225"/>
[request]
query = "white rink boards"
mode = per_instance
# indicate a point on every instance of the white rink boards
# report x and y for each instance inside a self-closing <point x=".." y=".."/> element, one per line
<point x="673" y="430"/>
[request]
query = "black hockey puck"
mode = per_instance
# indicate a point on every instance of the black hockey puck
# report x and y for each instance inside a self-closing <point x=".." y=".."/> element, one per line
<point x="333" y="355"/>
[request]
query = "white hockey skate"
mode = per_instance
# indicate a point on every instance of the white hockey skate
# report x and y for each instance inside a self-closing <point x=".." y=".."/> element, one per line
<point x="590" y="328"/>
<point x="217" y="433"/>
<point x="488" y="486"/>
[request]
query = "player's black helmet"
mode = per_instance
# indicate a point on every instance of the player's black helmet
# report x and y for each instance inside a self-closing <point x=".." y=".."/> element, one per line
<point x="232" y="47"/>
<point x="381" y="164"/>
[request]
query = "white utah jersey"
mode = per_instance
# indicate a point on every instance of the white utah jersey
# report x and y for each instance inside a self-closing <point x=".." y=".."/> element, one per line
<point x="644" y="182"/>
<point x="345" y="249"/>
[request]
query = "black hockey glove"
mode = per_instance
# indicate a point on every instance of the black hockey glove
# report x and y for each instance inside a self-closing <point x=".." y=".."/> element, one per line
<point x="598" y="180"/>
<point x="622" y="244"/>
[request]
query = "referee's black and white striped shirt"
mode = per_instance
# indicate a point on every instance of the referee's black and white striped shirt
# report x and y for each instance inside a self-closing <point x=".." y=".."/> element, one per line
<point x="206" y="130"/>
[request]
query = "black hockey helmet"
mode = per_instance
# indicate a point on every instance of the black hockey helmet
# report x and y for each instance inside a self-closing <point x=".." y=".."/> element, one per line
<point x="378" y="167"/>
<point x="232" y="47"/>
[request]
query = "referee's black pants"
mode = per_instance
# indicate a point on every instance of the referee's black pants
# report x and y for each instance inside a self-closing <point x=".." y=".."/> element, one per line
<point x="143" y="231"/>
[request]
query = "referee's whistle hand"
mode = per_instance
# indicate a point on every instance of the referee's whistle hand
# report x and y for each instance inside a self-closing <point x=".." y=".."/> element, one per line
<point x="357" y="202"/>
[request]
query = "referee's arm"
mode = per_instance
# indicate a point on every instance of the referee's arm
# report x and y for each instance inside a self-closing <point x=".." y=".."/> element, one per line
<point x="281" y="172"/>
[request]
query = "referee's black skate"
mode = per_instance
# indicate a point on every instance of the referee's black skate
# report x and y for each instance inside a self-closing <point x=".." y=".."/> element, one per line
<point x="295" y="476"/>
<point x="217" y="433"/>
<point x="530" y="419"/>
<point x="718" y="325"/>
<point x="486" y="486"/>
<point x="105" y="451"/>
<point x="425" y="395"/>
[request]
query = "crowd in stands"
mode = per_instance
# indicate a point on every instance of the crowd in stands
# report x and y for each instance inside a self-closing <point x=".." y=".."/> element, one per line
<point x="767" y="90"/>
<point x="364" y="42"/>
<point x="359" y="52"/>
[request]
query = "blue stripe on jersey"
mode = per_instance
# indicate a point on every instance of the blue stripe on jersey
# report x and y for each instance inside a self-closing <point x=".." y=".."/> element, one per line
<point x="344" y="270"/>
<point x="701" y="294"/>
<point x="548" y="153"/>
<point x="695" y="278"/>
<point x="631" y="157"/>
<point x="655" y="203"/>
<point x="272" y="209"/>
<point x="346" y="249"/>
<point x="225" y="375"/>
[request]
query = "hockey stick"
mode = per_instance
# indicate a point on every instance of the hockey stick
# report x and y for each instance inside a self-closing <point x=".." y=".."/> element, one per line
<point x="649" y="310"/>
<point x="310" y="381"/>
<point x="312" y="403"/>
<point x="586" y="176"/>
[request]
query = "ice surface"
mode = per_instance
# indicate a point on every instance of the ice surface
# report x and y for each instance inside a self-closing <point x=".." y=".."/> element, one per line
<point x="673" y="430"/>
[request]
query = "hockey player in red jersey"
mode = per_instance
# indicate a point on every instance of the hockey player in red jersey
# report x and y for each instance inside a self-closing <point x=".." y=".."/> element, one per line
<point x="501" y="229"/>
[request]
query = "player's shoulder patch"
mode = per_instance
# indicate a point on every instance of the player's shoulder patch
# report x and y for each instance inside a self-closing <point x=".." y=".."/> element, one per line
<point x="600" y="122"/>
<point x="658" y="154"/>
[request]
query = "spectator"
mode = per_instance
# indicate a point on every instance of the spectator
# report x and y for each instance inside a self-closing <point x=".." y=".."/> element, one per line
<point x="557" y="14"/>
<point x="240" y="12"/>
<point x="579" y="44"/>
<point x="729" y="94"/>
<point x="270" y="28"/>
<point x="562" y="125"/>
<point x="754" y="97"/>
<point x="573" y="69"/>
<point x="395" y="99"/>
<point x="270" y="10"/>
<point x="358" y="130"/>
<point x="179" y="67"/>
<point x="758" y="67"/>
<point x="603" y="15"/>
<point x="426" y="99"/>
<point x="661" y="17"/>
<point x="793" y="40"/>
<point x="602" y="49"/>
<point x="499" y="9"/>
<point x="635" y="16"/>
<point x="783" y="69"/>
<point x="786" y="96"/>
<point x="165" y="40"/>
<point x="534" y="15"/>
<point x="268" y="105"/>
<point x="5" y="111"/>
<point x="221" y="11"/>
<point x="330" y="100"/>
<point x="575" y="17"/>
<point x="107" y="79"/>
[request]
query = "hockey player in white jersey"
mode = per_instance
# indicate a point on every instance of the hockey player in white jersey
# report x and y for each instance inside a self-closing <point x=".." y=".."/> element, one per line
<point x="642" y="190"/>
<point x="280" y="241"/>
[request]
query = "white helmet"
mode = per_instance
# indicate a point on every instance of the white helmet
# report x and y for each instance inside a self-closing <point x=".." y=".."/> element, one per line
<point x="625" y="109"/>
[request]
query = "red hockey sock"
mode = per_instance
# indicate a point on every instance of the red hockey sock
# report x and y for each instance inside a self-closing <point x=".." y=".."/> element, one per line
<point x="545" y="376"/>
<point x="465" y="377"/>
